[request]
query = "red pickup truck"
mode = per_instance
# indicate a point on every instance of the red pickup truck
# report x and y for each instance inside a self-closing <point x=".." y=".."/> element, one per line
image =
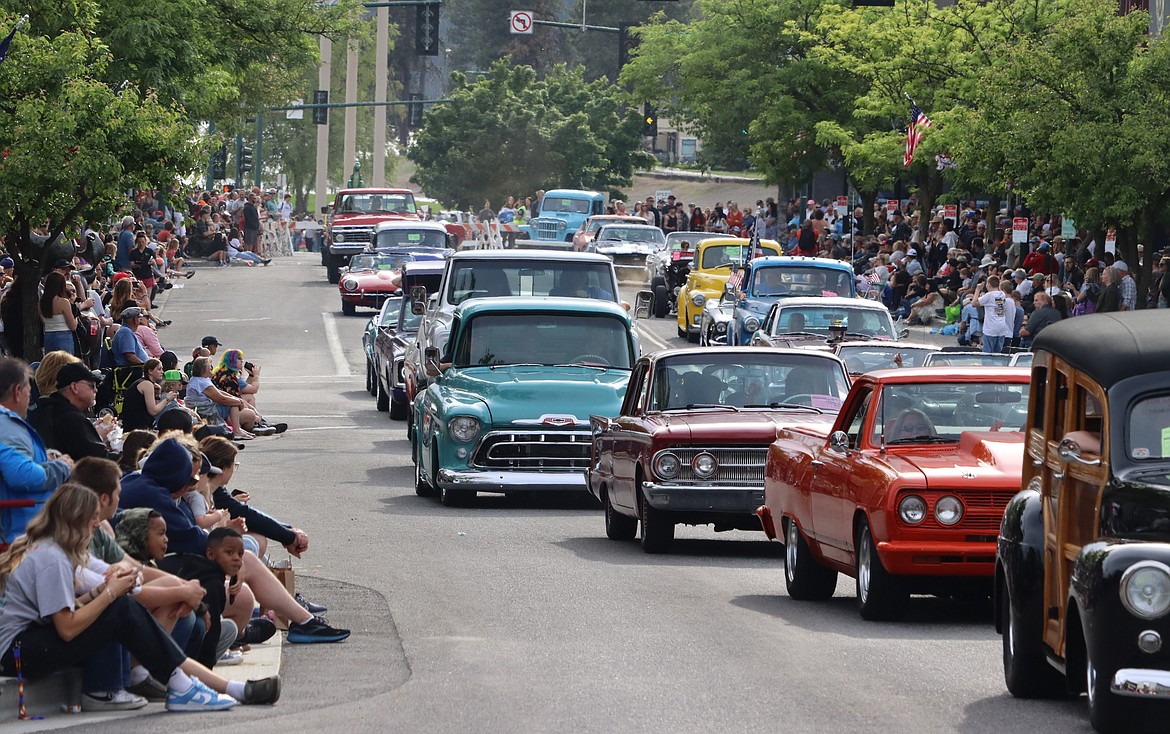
<point x="905" y="492"/>
<point x="352" y="219"/>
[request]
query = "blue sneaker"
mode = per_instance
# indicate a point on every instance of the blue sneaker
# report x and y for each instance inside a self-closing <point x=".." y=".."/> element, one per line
<point x="313" y="630"/>
<point x="198" y="698"/>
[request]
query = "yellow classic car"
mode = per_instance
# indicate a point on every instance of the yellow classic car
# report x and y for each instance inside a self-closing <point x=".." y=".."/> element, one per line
<point x="709" y="274"/>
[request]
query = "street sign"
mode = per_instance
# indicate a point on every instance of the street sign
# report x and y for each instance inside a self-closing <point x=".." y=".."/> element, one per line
<point x="892" y="206"/>
<point x="1111" y="240"/>
<point x="842" y="205"/>
<point x="662" y="194"/>
<point x="951" y="212"/>
<point x="1020" y="229"/>
<point x="295" y="114"/>
<point x="521" y="21"/>
<point x="1068" y="228"/>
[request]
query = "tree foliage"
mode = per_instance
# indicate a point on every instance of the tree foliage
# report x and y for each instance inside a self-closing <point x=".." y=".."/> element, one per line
<point x="512" y="134"/>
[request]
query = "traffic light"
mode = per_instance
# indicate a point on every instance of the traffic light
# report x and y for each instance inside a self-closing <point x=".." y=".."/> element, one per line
<point x="219" y="163"/>
<point x="321" y="114"/>
<point x="627" y="42"/>
<point x="245" y="159"/>
<point x="649" y="121"/>
<point x="426" y="30"/>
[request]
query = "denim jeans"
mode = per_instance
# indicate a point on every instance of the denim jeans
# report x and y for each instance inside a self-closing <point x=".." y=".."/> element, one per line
<point x="993" y="344"/>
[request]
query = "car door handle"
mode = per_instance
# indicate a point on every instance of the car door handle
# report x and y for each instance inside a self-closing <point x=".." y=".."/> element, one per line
<point x="816" y="462"/>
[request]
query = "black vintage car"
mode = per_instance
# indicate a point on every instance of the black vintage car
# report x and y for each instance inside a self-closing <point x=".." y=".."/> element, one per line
<point x="1083" y="562"/>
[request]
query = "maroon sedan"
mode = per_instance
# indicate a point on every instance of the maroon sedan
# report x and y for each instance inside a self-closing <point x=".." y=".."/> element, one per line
<point x="690" y="443"/>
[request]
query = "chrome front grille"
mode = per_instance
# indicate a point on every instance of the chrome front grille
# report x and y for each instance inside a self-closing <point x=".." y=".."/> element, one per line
<point x="982" y="509"/>
<point x="534" y="450"/>
<point x="352" y="235"/>
<point x="547" y="229"/>
<point x="738" y="465"/>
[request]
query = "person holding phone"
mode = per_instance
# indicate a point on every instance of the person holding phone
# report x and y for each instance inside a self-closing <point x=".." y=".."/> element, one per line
<point x="144" y="400"/>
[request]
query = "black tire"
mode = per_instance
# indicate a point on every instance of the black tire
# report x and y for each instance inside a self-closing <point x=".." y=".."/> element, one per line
<point x="399" y="409"/>
<point x="370" y="378"/>
<point x="348" y="309"/>
<point x="617" y="525"/>
<point x="682" y="333"/>
<point x="804" y="578"/>
<point x="657" y="529"/>
<point x="1025" y="667"/>
<point x="333" y="269"/>
<point x="422" y="486"/>
<point x="693" y="337"/>
<point x="880" y="595"/>
<point x="1113" y="714"/>
<point x="383" y="399"/>
<point x="661" y="298"/>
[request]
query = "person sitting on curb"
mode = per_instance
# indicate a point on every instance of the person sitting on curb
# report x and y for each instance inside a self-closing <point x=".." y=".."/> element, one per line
<point x="229" y="378"/>
<point x="164" y="478"/>
<point x="61" y="420"/>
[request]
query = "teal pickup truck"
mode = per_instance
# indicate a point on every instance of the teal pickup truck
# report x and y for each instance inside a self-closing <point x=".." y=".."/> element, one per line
<point x="507" y="406"/>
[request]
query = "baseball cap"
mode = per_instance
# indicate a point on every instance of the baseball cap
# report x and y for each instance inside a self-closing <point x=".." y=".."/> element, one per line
<point x="811" y="202"/>
<point x="1120" y="265"/>
<point x="63" y="264"/>
<point x="1042" y="247"/>
<point x="75" y="372"/>
<point x="7" y="263"/>
<point x="1034" y="239"/>
<point x="131" y="313"/>
<point x="120" y="275"/>
<point x="209" y="340"/>
<point x="912" y="253"/>
<point x="1019" y="273"/>
<point x="206" y="467"/>
<point x="175" y="375"/>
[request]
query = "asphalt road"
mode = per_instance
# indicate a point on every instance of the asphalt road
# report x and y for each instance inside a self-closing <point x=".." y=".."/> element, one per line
<point x="521" y="616"/>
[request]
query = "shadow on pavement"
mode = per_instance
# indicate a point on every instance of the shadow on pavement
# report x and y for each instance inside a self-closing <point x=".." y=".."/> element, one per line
<point x="487" y="505"/>
<point x="1004" y="713"/>
<point x="684" y="551"/>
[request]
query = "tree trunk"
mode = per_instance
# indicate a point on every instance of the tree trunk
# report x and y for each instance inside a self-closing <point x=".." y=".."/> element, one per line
<point x="929" y="185"/>
<point x="868" y="199"/>
<point x="29" y="282"/>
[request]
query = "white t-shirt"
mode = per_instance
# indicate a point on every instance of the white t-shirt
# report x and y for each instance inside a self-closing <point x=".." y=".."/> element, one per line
<point x="41" y="586"/>
<point x="999" y="314"/>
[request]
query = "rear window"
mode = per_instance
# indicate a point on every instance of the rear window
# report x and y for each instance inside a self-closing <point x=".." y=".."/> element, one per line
<point x="485" y="279"/>
<point x="1148" y="428"/>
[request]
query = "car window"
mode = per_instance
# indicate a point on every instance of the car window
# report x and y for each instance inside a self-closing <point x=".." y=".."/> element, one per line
<point x="766" y="380"/>
<point x="800" y="281"/>
<point x="939" y="412"/>
<point x="819" y="319"/>
<point x="857" y="424"/>
<point x="486" y="279"/>
<point x="1148" y="428"/>
<point x="411" y="238"/>
<point x="495" y="339"/>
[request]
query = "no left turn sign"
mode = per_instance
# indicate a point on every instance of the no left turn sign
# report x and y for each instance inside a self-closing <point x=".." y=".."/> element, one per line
<point x="521" y="21"/>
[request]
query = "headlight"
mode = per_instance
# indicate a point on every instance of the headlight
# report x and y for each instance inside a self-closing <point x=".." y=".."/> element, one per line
<point x="698" y="299"/>
<point x="338" y="237"/>
<point x="1145" y="589"/>
<point x="912" y="509"/>
<point x="751" y="324"/>
<point x="721" y="327"/>
<point x="666" y="466"/>
<point x="463" y="428"/>
<point x="349" y="284"/>
<point x="704" y="465"/>
<point x="948" y="510"/>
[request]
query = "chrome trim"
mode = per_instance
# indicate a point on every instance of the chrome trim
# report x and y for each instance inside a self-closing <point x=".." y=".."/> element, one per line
<point x="704" y="498"/>
<point x="533" y="450"/>
<point x="1141" y="683"/>
<point x="504" y="481"/>
<point x="739" y="466"/>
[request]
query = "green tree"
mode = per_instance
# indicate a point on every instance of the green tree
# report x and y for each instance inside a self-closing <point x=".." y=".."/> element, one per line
<point x="597" y="51"/>
<point x="71" y="144"/>
<point x="517" y="134"/>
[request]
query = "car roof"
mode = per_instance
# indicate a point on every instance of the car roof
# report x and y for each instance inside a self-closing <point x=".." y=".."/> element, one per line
<point x="870" y="343"/>
<point x="725" y="240"/>
<point x="1109" y="347"/>
<point x="414" y="224"/>
<point x="629" y="225"/>
<point x="792" y="261"/>
<point x="537" y="256"/>
<point x="425" y="267"/>
<point x="376" y="191"/>
<point x="475" y="306"/>
<point x="951" y="374"/>
<point x="747" y="351"/>
<point x="554" y="193"/>
<point x="832" y="302"/>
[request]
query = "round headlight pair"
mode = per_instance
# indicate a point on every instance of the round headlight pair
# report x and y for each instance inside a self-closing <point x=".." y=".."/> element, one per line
<point x="948" y="510"/>
<point x="338" y="237"/>
<point x="698" y="299"/>
<point x="349" y="284"/>
<point x="463" y="428"/>
<point x="667" y="466"/>
<point x="704" y="465"/>
<point x="1145" y="589"/>
<point x="751" y="324"/>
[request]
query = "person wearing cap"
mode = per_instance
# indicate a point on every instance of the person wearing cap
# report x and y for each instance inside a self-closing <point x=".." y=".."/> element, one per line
<point x="913" y="266"/>
<point x="210" y="343"/>
<point x="125" y="244"/>
<point x="1040" y="259"/>
<point x="143" y="400"/>
<point x="26" y="471"/>
<point x="127" y="349"/>
<point x="62" y="421"/>
<point x="900" y="230"/>
<point x="1127" y="286"/>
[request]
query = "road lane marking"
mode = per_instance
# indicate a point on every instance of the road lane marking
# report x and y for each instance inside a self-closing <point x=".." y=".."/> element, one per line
<point x="323" y="428"/>
<point x="334" y="342"/>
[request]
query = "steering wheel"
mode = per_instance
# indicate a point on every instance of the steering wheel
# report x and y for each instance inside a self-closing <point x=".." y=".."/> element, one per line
<point x="590" y="359"/>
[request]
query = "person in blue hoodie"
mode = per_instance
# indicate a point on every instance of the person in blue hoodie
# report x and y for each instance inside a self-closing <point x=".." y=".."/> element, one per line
<point x="165" y="477"/>
<point x="26" y="472"/>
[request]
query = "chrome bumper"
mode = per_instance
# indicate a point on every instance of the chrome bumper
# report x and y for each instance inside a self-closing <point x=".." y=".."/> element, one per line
<point x="730" y="500"/>
<point x="512" y="481"/>
<point x="1141" y="683"/>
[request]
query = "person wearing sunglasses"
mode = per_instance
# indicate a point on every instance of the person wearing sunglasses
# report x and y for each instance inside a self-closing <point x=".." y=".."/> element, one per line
<point x="911" y="424"/>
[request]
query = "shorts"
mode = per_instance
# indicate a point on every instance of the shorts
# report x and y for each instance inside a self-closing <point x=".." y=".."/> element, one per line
<point x="250" y="236"/>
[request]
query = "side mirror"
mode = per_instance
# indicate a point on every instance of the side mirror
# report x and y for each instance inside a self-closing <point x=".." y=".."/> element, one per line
<point x="431" y="361"/>
<point x="642" y="303"/>
<point x="418" y="293"/>
<point x="839" y="441"/>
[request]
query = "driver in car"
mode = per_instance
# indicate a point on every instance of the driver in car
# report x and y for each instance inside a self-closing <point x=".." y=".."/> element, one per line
<point x="911" y="424"/>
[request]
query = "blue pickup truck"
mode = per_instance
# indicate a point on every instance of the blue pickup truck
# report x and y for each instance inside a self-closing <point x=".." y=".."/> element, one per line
<point x="771" y="278"/>
<point x="562" y="211"/>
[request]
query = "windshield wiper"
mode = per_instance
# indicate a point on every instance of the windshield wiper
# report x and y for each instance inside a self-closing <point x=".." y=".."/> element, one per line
<point x="691" y="406"/>
<point x="602" y="367"/>
<point x="791" y="406"/>
<point x="514" y="364"/>
<point x="787" y="334"/>
<point x="921" y="439"/>
<point x="859" y="334"/>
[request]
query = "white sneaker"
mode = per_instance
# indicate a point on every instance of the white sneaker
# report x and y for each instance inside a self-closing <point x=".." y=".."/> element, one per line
<point x="121" y="700"/>
<point x="198" y="697"/>
<point x="231" y="657"/>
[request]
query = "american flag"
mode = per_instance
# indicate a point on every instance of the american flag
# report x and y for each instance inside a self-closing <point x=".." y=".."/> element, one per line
<point x="873" y="278"/>
<point x="755" y="249"/>
<point x="735" y="280"/>
<point x="919" y="122"/>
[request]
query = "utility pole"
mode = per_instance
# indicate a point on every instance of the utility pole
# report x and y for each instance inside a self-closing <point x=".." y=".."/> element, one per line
<point x="321" y="184"/>
<point x="349" y="147"/>
<point x="381" y="72"/>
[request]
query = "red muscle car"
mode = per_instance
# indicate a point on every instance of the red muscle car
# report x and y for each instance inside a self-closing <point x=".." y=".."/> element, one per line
<point x="689" y="444"/>
<point x="907" y="489"/>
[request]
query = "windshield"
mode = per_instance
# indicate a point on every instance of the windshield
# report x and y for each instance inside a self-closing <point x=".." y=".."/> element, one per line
<point x="766" y="380"/>
<point x="372" y="261"/>
<point x="674" y="239"/>
<point x="631" y="234"/>
<point x="490" y="279"/>
<point x="938" y="412"/>
<point x="566" y="206"/>
<point x="722" y="256"/>
<point x="389" y="313"/>
<point x="388" y="238"/>
<point x="943" y="359"/>
<point x="860" y="359"/>
<point x="545" y="339"/>
<point x="407" y="321"/>
<point x="378" y="203"/>
<point x="1148" y="428"/>
<point x="871" y="322"/>
<point x="778" y="280"/>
